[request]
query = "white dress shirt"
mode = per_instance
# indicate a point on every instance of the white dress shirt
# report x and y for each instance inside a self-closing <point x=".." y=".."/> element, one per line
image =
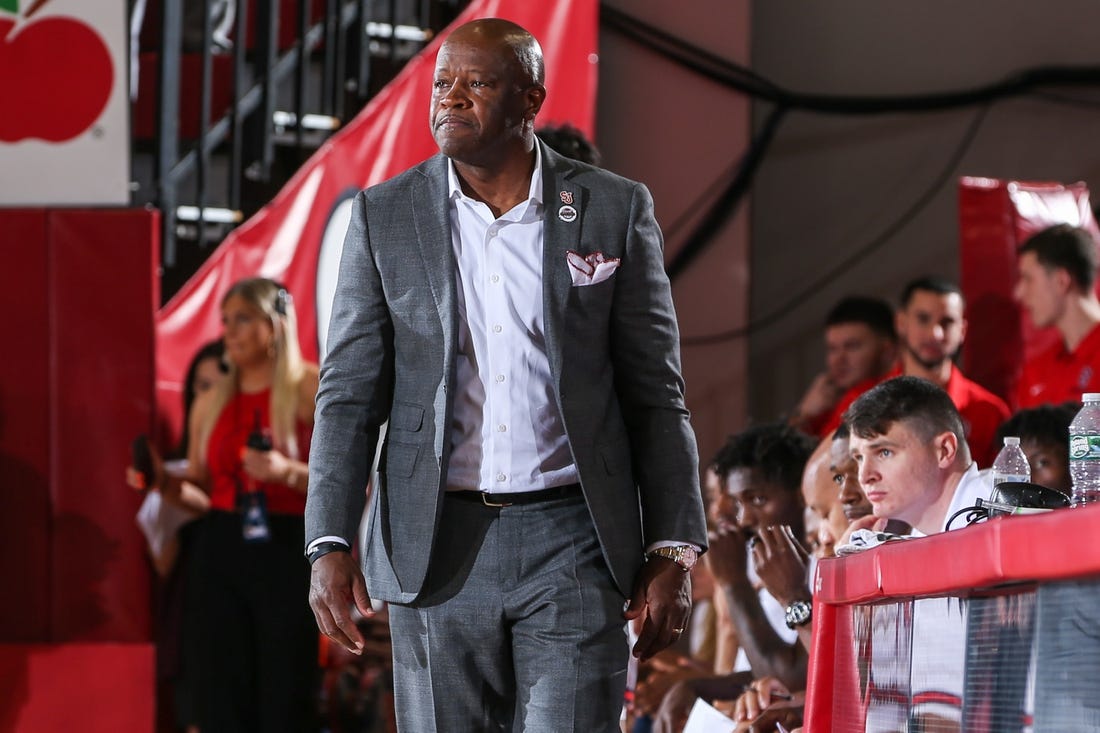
<point x="972" y="486"/>
<point x="507" y="433"/>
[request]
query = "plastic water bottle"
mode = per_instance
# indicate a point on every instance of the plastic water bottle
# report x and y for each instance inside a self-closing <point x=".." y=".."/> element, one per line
<point x="1011" y="463"/>
<point x="1084" y="450"/>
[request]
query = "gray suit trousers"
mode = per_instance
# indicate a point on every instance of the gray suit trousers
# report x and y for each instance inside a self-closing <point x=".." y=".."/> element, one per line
<point x="519" y="627"/>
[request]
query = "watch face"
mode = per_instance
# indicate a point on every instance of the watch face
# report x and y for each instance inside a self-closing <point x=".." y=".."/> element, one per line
<point x="798" y="613"/>
<point x="683" y="555"/>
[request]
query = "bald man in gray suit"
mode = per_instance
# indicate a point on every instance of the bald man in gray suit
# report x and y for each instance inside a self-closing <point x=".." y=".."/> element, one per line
<point x="506" y="312"/>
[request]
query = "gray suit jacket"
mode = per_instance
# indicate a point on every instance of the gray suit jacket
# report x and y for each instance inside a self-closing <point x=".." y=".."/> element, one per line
<point x="614" y="360"/>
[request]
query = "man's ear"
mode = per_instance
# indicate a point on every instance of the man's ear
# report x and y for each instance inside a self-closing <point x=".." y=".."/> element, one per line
<point x="946" y="445"/>
<point x="1063" y="280"/>
<point x="890" y="351"/>
<point x="535" y="96"/>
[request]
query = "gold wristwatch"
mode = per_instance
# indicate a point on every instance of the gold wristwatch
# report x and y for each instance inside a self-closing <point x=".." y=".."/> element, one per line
<point x="683" y="555"/>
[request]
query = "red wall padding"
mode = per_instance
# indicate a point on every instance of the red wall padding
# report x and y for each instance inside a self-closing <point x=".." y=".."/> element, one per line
<point x="104" y="293"/>
<point x="25" y="547"/>
<point x="76" y="387"/>
<point x="91" y="688"/>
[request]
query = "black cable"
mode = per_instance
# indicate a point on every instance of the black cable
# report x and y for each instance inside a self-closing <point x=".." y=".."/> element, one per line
<point x="973" y="514"/>
<point x="712" y="188"/>
<point x="704" y="62"/>
<point x="862" y="252"/>
<point x="749" y="82"/>
<point x="726" y="206"/>
<point x="1067" y="101"/>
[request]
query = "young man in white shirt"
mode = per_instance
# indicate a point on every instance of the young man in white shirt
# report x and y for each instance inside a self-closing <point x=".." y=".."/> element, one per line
<point x="914" y="465"/>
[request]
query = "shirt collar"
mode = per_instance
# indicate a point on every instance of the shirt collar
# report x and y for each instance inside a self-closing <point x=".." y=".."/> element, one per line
<point x="454" y="188"/>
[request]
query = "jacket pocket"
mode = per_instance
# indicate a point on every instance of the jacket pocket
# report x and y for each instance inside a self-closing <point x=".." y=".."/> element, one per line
<point x="406" y="416"/>
<point x="401" y="459"/>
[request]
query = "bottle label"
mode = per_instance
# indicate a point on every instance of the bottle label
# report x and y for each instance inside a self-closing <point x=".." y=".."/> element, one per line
<point x="999" y="478"/>
<point x="1084" y="447"/>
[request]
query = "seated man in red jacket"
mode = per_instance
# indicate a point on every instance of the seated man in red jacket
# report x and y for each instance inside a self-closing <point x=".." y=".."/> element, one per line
<point x="860" y="349"/>
<point x="1057" y="286"/>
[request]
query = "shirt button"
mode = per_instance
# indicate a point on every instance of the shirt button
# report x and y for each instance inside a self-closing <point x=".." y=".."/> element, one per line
<point x="500" y="377"/>
<point x="501" y="477"/>
<point x="502" y="428"/>
<point x="494" y="278"/>
<point x="497" y="328"/>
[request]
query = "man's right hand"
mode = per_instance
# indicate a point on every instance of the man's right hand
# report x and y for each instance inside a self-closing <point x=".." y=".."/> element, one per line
<point x="335" y="584"/>
<point x="821" y="396"/>
<point x="877" y="524"/>
<point x="782" y="564"/>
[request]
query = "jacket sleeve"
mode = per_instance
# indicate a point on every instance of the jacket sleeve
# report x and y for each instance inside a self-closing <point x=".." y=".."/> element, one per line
<point x="645" y="351"/>
<point x="356" y="389"/>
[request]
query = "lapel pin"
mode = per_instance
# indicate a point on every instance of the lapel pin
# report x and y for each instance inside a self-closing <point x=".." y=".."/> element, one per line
<point x="566" y="197"/>
<point x="567" y="213"/>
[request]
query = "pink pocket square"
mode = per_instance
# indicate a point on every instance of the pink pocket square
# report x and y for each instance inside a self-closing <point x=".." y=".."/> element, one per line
<point x="590" y="269"/>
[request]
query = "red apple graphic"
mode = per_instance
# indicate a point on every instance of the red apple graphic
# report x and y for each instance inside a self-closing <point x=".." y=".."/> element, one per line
<point x="55" y="78"/>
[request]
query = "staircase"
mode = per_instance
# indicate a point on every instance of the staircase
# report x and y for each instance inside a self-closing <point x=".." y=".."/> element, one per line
<point x="232" y="96"/>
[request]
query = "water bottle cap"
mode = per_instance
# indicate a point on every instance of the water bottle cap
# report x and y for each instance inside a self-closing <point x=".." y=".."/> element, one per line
<point x="1011" y="440"/>
<point x="1090" y="397"/>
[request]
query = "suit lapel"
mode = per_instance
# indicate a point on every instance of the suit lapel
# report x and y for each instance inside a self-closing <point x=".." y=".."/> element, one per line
<point x="559" y="237"/>
<point x="432" y="219"/>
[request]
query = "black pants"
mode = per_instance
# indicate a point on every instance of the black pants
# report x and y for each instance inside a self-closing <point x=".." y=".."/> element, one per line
<point x="256" y="639"/>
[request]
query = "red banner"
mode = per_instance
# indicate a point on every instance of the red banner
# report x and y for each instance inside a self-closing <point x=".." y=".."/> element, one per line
<point x="304" y="225"/>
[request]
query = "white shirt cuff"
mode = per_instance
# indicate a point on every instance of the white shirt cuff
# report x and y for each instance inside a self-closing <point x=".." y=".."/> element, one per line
<point x="671" y="543"/>
<point x="327" y="538"/>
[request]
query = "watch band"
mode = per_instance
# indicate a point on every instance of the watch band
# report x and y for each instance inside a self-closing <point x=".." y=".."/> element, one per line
<point x="325" y="548"/>
<point x="683" y="555"/>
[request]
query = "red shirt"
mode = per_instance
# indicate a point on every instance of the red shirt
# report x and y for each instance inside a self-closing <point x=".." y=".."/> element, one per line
<point x="223" y="455"/>
<point x="981" y="410"/>
<point x="832" y="419"/>
<point x="982" y="413"/>
<point x="1059" y="375"/>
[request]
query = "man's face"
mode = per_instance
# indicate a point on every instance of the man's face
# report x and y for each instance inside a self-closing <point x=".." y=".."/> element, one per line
<point x="1049" y="464"/>
<point x="1043" y="292"/>
<point x="761" y="503"/>
<point x="854" y="352"/>
<point x="820" y="494"/>
<point x="899" y="472"/>
<point x="845" y="479"/>
<point x="931" y="327"/>
<point x="720" y="508"/>
<point x="481" y="99"/>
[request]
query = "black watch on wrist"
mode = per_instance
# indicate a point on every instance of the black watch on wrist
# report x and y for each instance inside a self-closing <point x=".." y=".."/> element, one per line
<point x="325" y="548"/>
<point x="798" y="614"/>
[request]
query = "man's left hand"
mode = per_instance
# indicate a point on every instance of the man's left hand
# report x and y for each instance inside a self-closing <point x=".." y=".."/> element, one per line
<point x="663" y="592"/>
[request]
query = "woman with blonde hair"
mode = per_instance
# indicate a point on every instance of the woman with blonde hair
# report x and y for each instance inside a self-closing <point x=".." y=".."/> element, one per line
<point x="248" y="585"/>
